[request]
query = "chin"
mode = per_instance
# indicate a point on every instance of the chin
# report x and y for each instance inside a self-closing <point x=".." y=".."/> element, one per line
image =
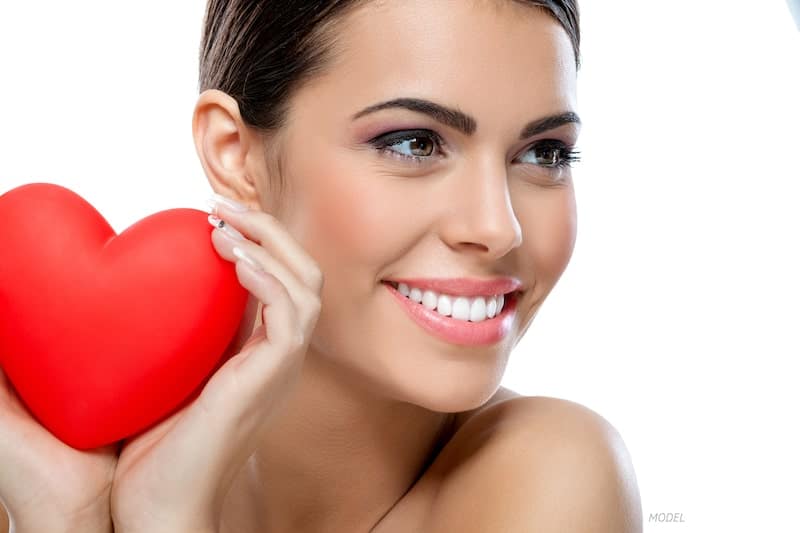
<point x="452" y="395"/>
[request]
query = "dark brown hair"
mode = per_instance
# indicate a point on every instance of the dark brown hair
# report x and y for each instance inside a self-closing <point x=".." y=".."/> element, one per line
<point x="260" y="52"/>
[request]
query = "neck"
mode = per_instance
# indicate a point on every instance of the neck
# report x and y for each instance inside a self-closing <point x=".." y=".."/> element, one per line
<point x="337" y="454"/>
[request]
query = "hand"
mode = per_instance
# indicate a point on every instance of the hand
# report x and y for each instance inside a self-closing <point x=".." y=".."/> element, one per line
<point x="174" y="477"/>
<point x="47" y="485"/>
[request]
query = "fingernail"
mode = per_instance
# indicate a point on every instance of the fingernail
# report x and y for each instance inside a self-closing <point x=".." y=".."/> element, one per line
<point x="238" y="252"/>
<point x="227" y="228"/>
<point x="218" y="199"/>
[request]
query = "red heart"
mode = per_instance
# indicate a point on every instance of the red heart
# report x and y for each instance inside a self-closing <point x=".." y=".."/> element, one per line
<point x="102" y="335"/>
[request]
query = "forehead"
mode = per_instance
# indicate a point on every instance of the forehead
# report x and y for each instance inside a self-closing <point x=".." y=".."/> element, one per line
<point x="476" y="55"/>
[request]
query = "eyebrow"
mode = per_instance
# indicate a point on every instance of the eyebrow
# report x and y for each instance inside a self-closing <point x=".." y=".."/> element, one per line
<point x="465" y="123"/>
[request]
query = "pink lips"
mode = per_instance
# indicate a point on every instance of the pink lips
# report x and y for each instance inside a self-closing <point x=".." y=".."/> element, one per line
<point x="456" y="331"/>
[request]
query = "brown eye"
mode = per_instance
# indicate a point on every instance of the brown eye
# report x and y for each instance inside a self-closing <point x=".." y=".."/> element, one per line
<point x="420" y="146"/>
<point x="552" y="154"/>
<point x="549" y="157"/>
<point x="417" y="145"/>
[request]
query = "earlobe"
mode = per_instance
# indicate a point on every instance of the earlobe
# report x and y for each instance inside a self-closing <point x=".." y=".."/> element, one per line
<point x="222" y="142"/>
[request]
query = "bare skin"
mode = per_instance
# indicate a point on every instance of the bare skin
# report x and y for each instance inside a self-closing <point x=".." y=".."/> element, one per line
<point x="389" y="429"/>
<point x="370" y="411"/>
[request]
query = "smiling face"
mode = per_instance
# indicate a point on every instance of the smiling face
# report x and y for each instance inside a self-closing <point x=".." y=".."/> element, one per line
<point x="467" y="198"/>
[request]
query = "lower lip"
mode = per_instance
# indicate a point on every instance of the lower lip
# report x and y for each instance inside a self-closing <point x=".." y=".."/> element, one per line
<point x="460" y="331"/>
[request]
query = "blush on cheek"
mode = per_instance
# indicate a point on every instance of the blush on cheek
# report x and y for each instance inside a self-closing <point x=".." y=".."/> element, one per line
<point x="354" y="223"/>
<point x="358" y="220"/>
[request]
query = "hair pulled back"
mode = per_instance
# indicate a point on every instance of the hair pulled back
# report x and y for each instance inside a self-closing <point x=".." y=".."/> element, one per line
<point x="261" y="51"/>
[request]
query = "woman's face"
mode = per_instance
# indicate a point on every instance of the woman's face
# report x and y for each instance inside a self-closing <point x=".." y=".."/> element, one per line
<point x="481" y="203"/>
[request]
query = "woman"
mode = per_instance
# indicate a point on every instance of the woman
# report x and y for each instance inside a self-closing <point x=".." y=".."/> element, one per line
<point x="361" y="152"/>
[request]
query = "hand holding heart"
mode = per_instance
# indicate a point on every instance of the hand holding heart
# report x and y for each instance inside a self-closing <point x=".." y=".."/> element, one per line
<point x="45" y="484"/>
<point x="180" y="471"/>
<point x="173" y="477"/>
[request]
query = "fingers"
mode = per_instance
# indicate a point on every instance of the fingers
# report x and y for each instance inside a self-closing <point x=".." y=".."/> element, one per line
<point x="241" y="391"/>
<point x="280" y="312"/>
<point x="250" y="387"/>
<point x="301" y="277"/>
<point x="261" y="259"/>
<point x="242" y="396"/>
<point x="205" y="447"/>
<point x="266" y="231"/>
<point x="271" y="354"/>
<point x="301" y="292"/>
<point x="245" y="331"/>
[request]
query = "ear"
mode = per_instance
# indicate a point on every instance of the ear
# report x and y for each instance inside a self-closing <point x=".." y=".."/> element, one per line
<point x="228" y="148"/>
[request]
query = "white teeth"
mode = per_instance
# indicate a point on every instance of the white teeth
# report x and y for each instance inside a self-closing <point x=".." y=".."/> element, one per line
<point x="477" y="311"/>
<point x="430" y="299"/>
<point x="416" y="295"/>
<point x="491" y="307"/>
<point x="445" y="305"/>
<point x="459" y="307"/>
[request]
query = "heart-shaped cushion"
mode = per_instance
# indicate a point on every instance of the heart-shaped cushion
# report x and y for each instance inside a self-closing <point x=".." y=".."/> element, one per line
<point x="103" y="335"/>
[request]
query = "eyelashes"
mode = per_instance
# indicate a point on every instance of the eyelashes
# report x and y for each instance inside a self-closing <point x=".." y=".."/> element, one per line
<point x="549" y="154"/>
<point x="411" y="140"/>
<point x="555" y="154"/>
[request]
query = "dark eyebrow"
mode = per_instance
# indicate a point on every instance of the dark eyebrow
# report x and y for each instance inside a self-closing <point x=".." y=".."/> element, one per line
<point x="535" y="127"/>
<point x="464" y="123"/>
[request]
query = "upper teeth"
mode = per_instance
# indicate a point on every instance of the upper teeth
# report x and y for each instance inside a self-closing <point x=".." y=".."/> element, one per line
<point x="474" y="309"/>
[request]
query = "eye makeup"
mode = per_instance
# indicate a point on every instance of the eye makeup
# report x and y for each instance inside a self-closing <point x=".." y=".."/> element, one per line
<point x="412" y="140"/>
<point x="552" y="153"/>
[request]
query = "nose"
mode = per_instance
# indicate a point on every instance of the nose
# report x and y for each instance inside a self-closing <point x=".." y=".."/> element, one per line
<point x="481" y="216"/>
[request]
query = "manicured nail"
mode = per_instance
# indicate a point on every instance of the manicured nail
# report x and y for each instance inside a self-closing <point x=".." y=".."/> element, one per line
<point x="227" y="228"/>
<point x="238" y="252"/>
<point x="218" y="199"/>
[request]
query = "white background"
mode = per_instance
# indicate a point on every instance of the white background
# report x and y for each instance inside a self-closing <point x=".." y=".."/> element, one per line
<point x="677" y="317"/>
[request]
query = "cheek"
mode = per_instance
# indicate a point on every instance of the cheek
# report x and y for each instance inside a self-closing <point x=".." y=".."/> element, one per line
<point x="549" y="227"/>
<point x="348" y="215"/>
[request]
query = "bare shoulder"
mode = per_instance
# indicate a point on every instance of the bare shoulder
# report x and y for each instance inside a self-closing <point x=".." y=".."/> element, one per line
<point x="534" y="463"/>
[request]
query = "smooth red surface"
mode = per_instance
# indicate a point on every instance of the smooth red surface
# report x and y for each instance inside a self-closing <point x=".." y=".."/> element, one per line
<point x="102" y="335"/>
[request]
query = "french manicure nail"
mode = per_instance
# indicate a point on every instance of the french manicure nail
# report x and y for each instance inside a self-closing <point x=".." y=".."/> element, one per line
<point x="218" y="199"/>
<point x="227" y="228"/>
<point x="238" y="252"/>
